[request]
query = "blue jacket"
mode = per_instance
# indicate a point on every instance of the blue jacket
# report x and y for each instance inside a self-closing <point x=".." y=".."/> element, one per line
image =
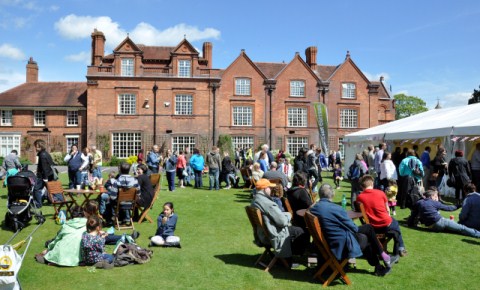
<point x="167" y="229"/>
<point x="153" y="159"/>
<point x="470" y="214"/>
<point x="75" y="162"/>
<point x="427" y="210"/>
<point x="338" y="229"/>
<point x="197" y="162"/>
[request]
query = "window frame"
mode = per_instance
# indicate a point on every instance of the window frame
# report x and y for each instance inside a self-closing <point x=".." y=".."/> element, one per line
<point x="300" y="117"/>
<point x="244" y="89"/>
<point x="349" y="93"/>
<point x="346" y="123"/>
<point x="123" y="109"/>
<point x="37" y="118"/>
<point x="297" y="91"/>
<point x="176" y="144"/>
<point x="246" y="120"/>
<point x="68" y="137"/>
<point x="125" y="139"/>
<point x="3" y="117"/>
<point x="74" y="118"/>
<point x="183" y="107"/>
<point x="244" y="143"/>
<point x="297" y="144"/>
<point x="7" y="147"/>
<point x="184" y="71"/>
<point x="127" y="69"/>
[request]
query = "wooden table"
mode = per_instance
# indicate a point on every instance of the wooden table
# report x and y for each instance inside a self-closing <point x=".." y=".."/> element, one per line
<point x="351" y="214"/>
<point x="87" y="194"/>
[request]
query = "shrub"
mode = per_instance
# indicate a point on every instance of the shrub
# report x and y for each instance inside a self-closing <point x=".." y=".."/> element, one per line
<point x="225" y="144"/>
<point x="24" y="161"/>
<point x="58" y="158"/>
<point x="115" y="161"/>
<point x="132" y="159"/>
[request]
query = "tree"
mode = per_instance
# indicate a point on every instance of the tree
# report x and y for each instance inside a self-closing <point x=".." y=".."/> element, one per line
<point x="475" y="97"/>
<point x="406" y="106"/>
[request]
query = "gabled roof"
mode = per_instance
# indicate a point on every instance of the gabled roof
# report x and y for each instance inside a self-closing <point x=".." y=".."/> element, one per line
<point x="350" y="61"/>
<point x="326" y="71"/>
<point x="245" y="56"/>
<point x="186" y="44"/>
<point x="383" y="91"/>
<point x="297" y="57"/>
<point x="270" y="69"/>
<point x="46" y="94"/>
<point x="129" y="42"/>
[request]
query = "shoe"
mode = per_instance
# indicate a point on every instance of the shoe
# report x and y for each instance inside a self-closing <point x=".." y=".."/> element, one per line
<point x="228" y="187"/>
<point x="393" y="260"/>
<point x="402" y="252"/>
<point x="135" y="234"/>
<point x="381" y="271"/>
<point x="39" y="258"/>
<point x="294" y="265"/>
<point x="103" y="265"/>
<point x="394" y="213"/>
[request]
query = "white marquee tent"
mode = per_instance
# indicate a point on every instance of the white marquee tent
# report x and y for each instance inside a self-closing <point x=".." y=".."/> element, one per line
<point x="461" y="124"/>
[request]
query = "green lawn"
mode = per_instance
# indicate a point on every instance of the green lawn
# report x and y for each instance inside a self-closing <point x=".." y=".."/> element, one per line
<point x="217" y="253"/>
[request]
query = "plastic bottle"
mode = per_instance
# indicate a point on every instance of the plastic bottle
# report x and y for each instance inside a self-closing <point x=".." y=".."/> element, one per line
<point x="61" y="217"/>
<point x="344" y="202"/>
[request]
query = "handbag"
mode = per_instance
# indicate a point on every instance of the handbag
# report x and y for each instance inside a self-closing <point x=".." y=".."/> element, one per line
<point x="185" y="173"/>
<point x="451" y="181"/>
<point x="55" y="172"/>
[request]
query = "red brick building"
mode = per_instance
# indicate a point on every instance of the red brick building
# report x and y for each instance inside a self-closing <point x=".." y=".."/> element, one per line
<point x="175" y="90"/>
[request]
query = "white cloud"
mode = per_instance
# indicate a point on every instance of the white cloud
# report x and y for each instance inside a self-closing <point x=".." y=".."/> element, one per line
<point x="29" y="5"/>
<point x="83" y="56"/>
<point x="10" y="79"/>
<point x="81" y="27"/>
<point x="54" y="8"/>
<point x="455" y="99"/>
<point x="9" y="51"/>
<point x="376" y="77"/>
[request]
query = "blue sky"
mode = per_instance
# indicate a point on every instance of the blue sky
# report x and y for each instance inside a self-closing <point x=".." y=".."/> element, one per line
<point x="429" y="49"/>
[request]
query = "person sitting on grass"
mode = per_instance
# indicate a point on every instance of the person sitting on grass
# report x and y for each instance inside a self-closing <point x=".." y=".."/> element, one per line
<point x="92" y="246"/>
<point x="64" y="249"/>
<point x="345" y="238"/>
<point x="166" y="224"/>
<point x="285" y="240"/>
<point x="376" y="206"/>
<point x="470" y="214"/>
<point x="426" y="211"/>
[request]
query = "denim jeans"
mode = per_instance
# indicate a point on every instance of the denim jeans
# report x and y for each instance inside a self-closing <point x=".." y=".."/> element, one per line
<point x="198" y="178"/>
<point x="394" y="227"/>
<point x="171" y="180"/>
<point x="450" y="225"/>
<point x="97" y="172"/>
<point x="73" y="177"/>
<point x="189" y="174"/>
<point x="213" y="175"/>
<point x="231" y="179"/>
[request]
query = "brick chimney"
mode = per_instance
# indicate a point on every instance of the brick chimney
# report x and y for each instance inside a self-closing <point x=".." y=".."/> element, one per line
<point x="98" y="47"/>
<point x="311" y="55"/>
<point x="207" y="53"/>
<point x="32" y="71"/>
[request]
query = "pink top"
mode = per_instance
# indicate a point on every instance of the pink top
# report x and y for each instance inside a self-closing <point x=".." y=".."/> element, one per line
<point x="181" y="162"/>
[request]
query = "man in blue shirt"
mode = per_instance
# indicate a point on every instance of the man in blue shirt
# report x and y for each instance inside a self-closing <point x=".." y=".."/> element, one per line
<point x="425" y="159"/>
<point x="470" y="214"/>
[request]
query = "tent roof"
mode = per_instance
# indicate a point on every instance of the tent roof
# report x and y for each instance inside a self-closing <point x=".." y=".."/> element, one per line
<point x="461" y="120"/>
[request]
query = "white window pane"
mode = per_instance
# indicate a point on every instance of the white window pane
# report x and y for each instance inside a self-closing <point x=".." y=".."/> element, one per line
<point x="297" y="117"/>
<point x="295" y="143"/>
<point x="297" y="88"/>
<point x="184" y="68"/>
<point x="126" y="144"/>
<point x="183" y="105"/>
<point x="242" y="116"/>
<point x="127" y="67"/>
<point x="243" y="142"/>
<point x="182" y="142"/>
<point x="348" y="90"/>
<point x="348" y="118"/>
<point x="242" y="87"/>
<point x="127" y="104"/>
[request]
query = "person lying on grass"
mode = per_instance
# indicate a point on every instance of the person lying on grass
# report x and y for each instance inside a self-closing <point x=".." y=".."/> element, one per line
<point x="167" y="222"/>
<point x="426" y="211"/>
<point x="64" y="249"/>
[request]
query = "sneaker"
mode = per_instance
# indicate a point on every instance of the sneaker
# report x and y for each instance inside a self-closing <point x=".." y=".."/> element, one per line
<point x="402" y="252"/>
<point x="135" y="234"/>
<point x="394" y="213"/>
<point x="39" y="258"/>
<point x="381" y="271"/>
<point x="294" y="265"/>
<point x="393" y="260"/>
<point x="228" y="187"/>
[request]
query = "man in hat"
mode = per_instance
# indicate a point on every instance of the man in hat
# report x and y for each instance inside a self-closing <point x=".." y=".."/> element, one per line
<point x="285" y="239"/>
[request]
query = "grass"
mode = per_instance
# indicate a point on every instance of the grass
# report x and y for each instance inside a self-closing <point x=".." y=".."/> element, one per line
<point x="217" y="253"/>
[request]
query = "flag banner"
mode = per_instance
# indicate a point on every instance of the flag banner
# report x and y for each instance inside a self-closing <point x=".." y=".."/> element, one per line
<point x="433" y="139"/>
<point x="403" y="142"/>
<point x="474" y="138"/>
<point x="464" y="139"/>
<point x="454" y="139"/>
<point x="322" y="123"/>
<point x="423" y="141"/>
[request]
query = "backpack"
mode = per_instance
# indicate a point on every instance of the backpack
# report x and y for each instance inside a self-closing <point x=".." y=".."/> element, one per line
<point x="130" y="253"/>
<point x="354" y="172"/>
<point x="413" y="164"/>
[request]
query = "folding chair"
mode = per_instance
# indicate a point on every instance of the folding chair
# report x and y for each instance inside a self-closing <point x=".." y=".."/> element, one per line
<point x="287" y="206"/>
<point x="384" y="238"/>
<point x="144" y="211"/>
<point x="246" y="177"/>
<point x="155" y="178"/>
<point x="331" y="261"/>
<point x="126" y="200"/>
<point x="58" y="199"/>
<point x="255" y="217"/>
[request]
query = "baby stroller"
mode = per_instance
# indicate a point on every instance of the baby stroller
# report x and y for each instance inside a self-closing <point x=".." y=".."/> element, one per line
<point x="11" y="261"/>
<point x="20" y="205"/>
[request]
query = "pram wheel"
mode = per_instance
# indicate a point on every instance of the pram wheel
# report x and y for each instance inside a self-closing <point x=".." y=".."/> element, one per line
<point x="40" y="218"/>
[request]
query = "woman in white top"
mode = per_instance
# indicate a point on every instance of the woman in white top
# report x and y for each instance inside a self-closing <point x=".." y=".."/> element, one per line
<point x="257" y="173"/>
<point x="387" y="169"/>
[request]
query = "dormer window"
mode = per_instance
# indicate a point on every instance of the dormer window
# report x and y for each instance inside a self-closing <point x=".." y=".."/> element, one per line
<point x="184" y="68"/>
<point x="127" y="67"/>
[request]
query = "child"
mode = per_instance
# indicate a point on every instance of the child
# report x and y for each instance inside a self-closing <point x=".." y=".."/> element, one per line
<point x="167" y="221"/>
<point x="109" y="196"/>
<point x="391" y="192"/>
<point x="93" y="244"/>
<point x="337" y="175"/>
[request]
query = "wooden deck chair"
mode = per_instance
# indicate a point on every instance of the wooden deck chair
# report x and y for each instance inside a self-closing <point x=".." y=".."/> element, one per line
<point x="384" y="238"/>
<point x="155" y="178"/>
<point x="144" y="211"/>
<point x="126" y="198"/>
<point x="331" y="262"/>
<point x="287" y="206"/>
<point x="59" y="199"/>
<point x="247" y="178"/>
<point x="256" y="220"/>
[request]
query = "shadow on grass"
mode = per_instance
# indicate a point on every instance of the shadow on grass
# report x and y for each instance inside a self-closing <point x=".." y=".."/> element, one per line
<point x="243" y="197"/>
<point x="471" y="242"/>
